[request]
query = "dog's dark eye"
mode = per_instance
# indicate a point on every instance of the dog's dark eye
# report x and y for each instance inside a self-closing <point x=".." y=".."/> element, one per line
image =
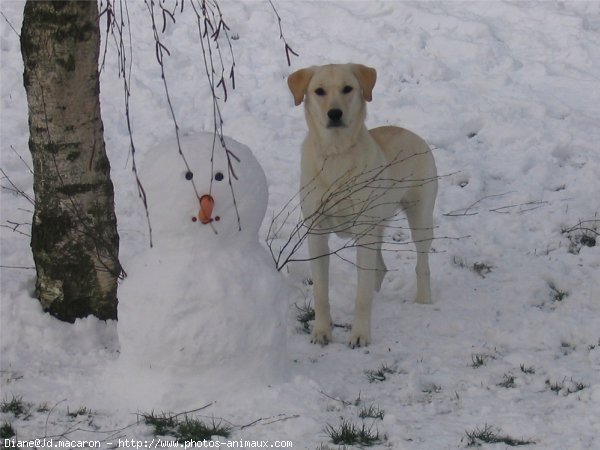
<point x="189" y="175"/>
<point x="347" y="89"/>
<point x="320" y="92"/>
<point x="219" y="176"/>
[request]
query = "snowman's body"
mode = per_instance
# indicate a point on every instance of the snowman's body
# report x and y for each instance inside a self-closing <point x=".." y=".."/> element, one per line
<point x="205" y="299"/>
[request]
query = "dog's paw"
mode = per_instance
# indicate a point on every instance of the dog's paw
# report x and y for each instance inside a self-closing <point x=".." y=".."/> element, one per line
<point x="423" y="293"/>
<point x="423" y="299"/>
<point x="321" y="335"/>
<point x="359" y="337"/>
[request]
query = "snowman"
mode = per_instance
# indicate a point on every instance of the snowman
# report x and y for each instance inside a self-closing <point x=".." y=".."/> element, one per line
<point x="204" y="304"/>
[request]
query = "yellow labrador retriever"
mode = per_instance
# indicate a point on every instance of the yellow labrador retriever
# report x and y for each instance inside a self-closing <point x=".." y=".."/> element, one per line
<point x="354" y="181"/>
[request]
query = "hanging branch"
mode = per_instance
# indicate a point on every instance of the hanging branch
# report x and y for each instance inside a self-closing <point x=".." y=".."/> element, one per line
<point x="118" y="25"/>
<point x="288" y="49"/>
<point x="210" y="23"/>
<point x="220" y="75"/>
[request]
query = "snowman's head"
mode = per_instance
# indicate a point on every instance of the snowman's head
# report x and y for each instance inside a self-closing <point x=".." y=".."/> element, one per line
<point x="211" y="192"/>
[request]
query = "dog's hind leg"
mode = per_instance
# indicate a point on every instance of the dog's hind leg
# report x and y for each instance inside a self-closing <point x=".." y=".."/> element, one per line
<point x="420" y="219"/>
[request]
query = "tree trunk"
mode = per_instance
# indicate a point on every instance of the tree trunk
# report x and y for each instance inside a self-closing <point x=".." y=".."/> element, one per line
<point x="74" y="233"/>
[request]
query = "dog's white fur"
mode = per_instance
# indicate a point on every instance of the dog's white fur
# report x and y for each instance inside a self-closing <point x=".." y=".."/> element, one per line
<point x="353" y="181"/>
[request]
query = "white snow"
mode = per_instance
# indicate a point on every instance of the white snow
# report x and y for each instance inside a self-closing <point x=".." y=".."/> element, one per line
<point x="219" y="308"/>
<point x="506" y="93"/>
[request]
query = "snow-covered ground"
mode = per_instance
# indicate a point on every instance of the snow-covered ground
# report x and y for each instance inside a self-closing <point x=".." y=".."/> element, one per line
<point x="507" y="95"/>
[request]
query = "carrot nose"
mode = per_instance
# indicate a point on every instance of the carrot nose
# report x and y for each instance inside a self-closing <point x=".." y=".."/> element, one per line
<point x="206" y="207"/>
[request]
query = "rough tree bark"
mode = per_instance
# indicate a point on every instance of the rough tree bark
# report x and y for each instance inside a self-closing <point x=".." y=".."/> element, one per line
<point x="74" y="233"/>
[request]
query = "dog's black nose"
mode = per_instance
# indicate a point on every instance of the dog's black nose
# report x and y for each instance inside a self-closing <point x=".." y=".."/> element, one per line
<point x="335" y="114"/>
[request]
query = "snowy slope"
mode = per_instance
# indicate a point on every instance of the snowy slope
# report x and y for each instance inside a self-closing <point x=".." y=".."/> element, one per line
<point x="508" y="96"/>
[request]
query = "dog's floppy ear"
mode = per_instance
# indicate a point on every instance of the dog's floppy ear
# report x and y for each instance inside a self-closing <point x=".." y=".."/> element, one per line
<point x="298" y="82"/>
<point x="366" y="77"/>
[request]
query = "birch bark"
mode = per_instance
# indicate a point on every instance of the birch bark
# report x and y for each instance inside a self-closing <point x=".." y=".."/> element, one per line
<point x="74" y="231"/>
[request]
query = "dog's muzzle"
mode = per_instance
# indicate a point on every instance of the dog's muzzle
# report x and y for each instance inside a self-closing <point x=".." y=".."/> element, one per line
<point x="335" y="118"/>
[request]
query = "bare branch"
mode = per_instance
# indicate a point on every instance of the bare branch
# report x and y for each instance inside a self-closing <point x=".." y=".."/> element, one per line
<point x="208" y="13"/>
<point x="288" y="49"/>
<point x="350" y="209"/>
<point x="10" y="24"/>
<point x="213" y="30"/>
<point x="14" y="188"/>
<point x="467" y="211"/>
<point x="17" y="267"/>
<point x="22" y="160"/>
<point x="506" y="209"/>
<point x="118" y="24"/>
<point x="14" y="226"/>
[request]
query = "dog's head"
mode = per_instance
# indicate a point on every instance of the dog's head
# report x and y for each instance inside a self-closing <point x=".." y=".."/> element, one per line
<point x="334" y="96"/>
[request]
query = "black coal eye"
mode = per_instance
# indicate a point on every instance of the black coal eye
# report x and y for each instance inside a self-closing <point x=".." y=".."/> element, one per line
<point x="189" y="175"/>
<point x="347" y="89"/>
<point x="219" y="176"/>
<point x="320" y="91"/>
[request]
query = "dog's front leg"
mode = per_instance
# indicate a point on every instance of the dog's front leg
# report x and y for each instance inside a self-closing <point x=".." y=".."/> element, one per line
<point x="318" y="250"/>
<point x="366" y="262"/>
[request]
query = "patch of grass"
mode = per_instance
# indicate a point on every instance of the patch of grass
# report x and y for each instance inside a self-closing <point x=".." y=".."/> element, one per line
<point x="304" y="315"/>
<point x="327" y="447"/>
<point x="482" y="269"/>
<point x="16" y="406"/>
<point x="371" y="412"/>
<point x="43" y="408"/>
<point x="576" y="386"/>
<point x="584" y="234"/>
<point x="555" y="386"/>
<point x="480" y="359"/>
<point x="379" y="374"/>
<point x="185" y="429"/>
<point x="487" y="435"/>
<point x="350" y="434"/>
<point x="196" y="430"/>
<point x="82" y="411"/>
<point x="556" y="294"/>
<point x="566" y="348"/>
<point x="508" y="381"/>
<point x="528" y="370"/>
<point x="565" y="388"/>
<point x="431" y="388"/>
<point x="7" y="431"/>
<point x="163" y="424"/>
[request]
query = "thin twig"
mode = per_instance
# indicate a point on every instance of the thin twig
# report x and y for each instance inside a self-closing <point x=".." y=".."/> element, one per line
<point x="465" y="211"/>
<point x="580" y="227"/>
<point x="207" y="13"/>
<point x="10" y="25"/>
<point x="15" y="227"/>
<point x="15" y="188"/>
<point x="288" y="49"/>
<point x="22" y="160"/>
<point x="352" y="204"/>
<point x="536" y="204"/>
<point x="343" y="402"/>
